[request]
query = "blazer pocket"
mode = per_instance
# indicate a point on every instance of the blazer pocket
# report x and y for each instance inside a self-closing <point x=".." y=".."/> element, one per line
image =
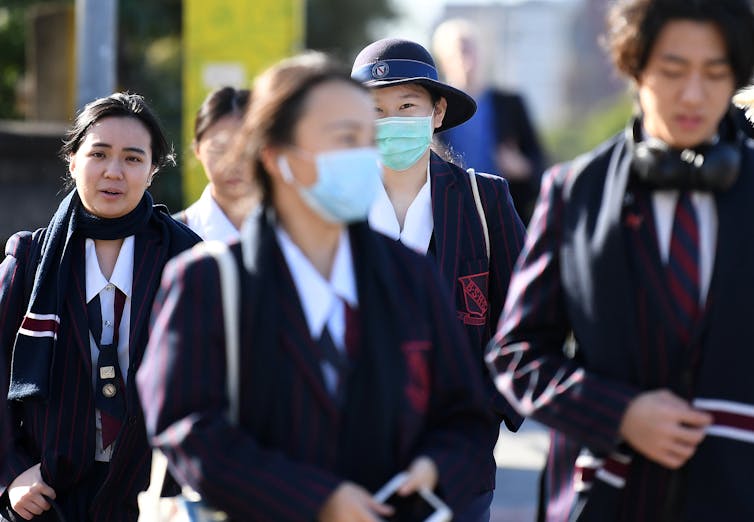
<point x="472" y="303"/>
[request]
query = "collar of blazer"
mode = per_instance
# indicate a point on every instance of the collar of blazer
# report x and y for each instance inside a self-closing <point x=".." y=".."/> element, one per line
<point x="447" y="211"/>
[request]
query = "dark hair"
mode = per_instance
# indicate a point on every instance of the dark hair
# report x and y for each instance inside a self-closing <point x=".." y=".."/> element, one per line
<point x="277" y="103"/>
<point x="120" y="105"/>
<point x="219" y="103"/>
<point x="634" y="25"/>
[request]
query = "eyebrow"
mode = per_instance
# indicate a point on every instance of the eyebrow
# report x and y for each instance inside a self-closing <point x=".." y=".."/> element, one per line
<point x="108" y="146"/>
<point x="349" y="124"/>
<point x="670" y="57"/>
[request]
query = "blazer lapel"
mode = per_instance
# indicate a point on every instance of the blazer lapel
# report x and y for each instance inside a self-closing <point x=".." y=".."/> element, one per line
<point x="296" y="336"/>
<point x="150" y="254"/>
<point x="603" y="251"/>
<point x="447" y="209"/>
<point x="640" y="223"/>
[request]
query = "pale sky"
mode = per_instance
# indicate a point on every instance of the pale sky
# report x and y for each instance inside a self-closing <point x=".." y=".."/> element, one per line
<point x="417" y="18"/>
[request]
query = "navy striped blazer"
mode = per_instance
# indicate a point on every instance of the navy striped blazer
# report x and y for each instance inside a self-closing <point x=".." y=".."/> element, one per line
<point x="591" y="266"/>
<point x="60" y="432"/>
<point x="4" y="417"/>
<point x="286" y="456"/>
<point x="478" y="286"/>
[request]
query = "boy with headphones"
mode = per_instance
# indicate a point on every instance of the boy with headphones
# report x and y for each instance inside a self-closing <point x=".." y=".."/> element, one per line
<point x="643" y="250"/>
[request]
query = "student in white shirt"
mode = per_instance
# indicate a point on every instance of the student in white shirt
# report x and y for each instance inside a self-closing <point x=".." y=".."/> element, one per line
<point x="230" y="194"/>
<point x="74" y="308"/>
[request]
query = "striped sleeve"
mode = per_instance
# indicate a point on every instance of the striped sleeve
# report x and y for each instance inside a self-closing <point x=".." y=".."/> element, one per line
<point x="182" y="388"/>
<point x="12" y="307"/>
<point x="526" y="355"/>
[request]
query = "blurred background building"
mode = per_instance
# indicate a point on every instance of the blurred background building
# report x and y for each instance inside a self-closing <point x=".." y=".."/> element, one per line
<point x="174" y="51"/>
<point x="545" y="49"/>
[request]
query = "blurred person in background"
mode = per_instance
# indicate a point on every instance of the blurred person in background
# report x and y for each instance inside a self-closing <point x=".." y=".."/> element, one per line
<point x="230" y="194"/>
<point x="465" y="222"/>
<point x="352" y="367"/>
<point x="643" y="249"/>
<point x="75" y="298"/>
<point x="499" y="138"/>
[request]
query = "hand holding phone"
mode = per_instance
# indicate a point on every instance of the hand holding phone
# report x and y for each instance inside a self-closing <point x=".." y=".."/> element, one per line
<point x="420" y="506"/>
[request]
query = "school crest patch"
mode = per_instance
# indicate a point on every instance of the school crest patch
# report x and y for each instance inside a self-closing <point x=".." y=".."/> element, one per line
<point x="474" y="288"/>
<point x="380" y="70"/>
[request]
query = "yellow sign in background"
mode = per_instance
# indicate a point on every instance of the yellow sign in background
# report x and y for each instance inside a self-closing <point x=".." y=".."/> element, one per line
<point x="228" y="42"/>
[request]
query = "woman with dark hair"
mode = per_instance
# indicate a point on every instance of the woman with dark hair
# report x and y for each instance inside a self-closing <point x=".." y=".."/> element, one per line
<point x="642" y="250"/>
<point x="230" y="194"/>
<point x="75" y="298"/>
<point x="352" y="368"/>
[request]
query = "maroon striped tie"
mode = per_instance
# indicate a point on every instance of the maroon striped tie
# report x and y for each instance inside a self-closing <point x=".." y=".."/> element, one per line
<point x="683" y="265"/>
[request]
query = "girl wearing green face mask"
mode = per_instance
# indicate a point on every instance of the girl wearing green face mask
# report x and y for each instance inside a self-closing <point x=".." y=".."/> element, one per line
<point x="430" y="206"/>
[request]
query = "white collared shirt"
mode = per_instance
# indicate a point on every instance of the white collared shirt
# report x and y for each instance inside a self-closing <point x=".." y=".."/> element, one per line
<point x="664" y="203"/>
<point x="323" y="301"/>
<point x="207" y="219"/>
<point x="97" y="284"/>
<point x="418" y="225"/>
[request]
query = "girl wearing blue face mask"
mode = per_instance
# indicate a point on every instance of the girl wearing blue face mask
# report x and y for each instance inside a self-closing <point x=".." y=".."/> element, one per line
<point x="466" y="222"/>
<point x="350" y="367"/>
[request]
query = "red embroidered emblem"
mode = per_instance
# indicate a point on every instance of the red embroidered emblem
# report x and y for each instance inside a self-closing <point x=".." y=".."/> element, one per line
<point x="475" y="298"/>
<point x="418" y="383"/>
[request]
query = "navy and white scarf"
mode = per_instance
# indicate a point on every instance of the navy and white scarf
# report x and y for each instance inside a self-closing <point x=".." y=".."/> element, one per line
<point x="35" y="341"/>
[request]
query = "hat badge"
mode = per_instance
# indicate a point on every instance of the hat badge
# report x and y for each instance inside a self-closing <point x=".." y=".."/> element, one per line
<point x="380" y="70"/>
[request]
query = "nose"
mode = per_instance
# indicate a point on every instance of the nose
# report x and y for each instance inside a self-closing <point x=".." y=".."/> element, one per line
<point x="693" y="90"/>
<point x="114" y="168"/>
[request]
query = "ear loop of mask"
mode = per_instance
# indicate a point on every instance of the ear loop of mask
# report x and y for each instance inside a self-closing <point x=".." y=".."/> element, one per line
<point x="285" y="170"/>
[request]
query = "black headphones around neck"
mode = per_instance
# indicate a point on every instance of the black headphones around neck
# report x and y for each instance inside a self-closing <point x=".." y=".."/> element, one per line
<point x="708" y="167"/>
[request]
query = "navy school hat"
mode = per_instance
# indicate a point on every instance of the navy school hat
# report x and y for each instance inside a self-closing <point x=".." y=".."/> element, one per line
<point x="394" y="61"/>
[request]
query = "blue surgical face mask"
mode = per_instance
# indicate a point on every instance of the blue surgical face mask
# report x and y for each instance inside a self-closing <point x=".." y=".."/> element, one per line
<point x="403" y="140"/>
<point x="347" y="183"/>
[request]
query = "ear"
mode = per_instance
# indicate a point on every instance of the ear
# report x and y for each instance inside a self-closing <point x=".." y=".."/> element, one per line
<point x="441" y="106"/>
<point x="72" y="165"/>
<point x="269" y="158"/>
<point x="152" y="173"/>
<point x="195" y="148"/>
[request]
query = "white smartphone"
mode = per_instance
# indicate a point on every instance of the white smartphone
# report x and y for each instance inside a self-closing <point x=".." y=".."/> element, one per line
<point x="423" y="506"/>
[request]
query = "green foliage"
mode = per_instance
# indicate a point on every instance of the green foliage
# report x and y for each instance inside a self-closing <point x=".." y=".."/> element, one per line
<point x="149" y="63"/>
<point x="583" y="133"/>
<point x="11" y="58"/>
<point x="341" y="27"/>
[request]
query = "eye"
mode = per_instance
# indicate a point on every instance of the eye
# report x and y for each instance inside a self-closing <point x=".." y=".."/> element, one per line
<point x="719" y="74"/>
<point x="348" y="139"/>
<point x="671" y="73"/>
<point x="96" y="154"/>
<point x="407" y="106"/>
<point x="378" y="110"/>
<point x="134" y="159"/>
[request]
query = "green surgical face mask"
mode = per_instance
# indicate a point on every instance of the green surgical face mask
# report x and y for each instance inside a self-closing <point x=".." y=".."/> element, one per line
<point x="403" y="140"/>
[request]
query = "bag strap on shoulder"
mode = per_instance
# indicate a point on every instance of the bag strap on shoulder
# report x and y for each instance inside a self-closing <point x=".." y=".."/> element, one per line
<point x="230" y="292"/>
<point x="480" y="210"/>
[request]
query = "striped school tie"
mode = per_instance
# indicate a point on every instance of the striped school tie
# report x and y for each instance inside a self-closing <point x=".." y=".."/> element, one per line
<point x="110" y="397"/>
<point x="683" y="265"/>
